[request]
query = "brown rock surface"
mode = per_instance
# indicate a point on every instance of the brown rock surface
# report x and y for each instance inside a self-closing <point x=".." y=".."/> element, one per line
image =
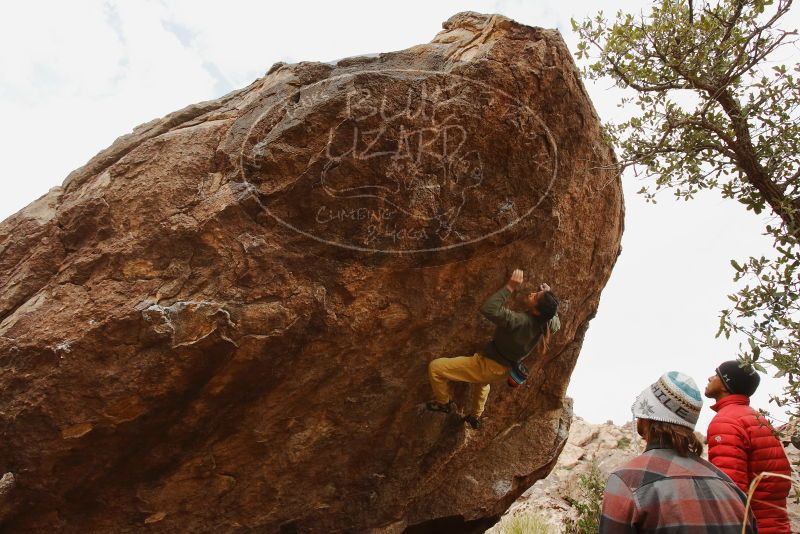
<point x="222" y="322"/>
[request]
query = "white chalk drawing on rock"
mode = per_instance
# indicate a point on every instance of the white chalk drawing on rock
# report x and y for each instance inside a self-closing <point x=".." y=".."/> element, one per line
<point x="412" y="159"/>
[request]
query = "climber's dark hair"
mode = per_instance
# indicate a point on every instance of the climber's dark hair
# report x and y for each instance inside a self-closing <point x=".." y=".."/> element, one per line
<point x="547" y="306"/>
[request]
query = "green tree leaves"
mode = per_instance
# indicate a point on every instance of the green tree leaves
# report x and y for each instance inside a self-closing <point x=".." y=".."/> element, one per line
<point x="712" y="111"/>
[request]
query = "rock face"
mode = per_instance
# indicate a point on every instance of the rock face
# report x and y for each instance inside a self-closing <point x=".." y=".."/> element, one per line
<point x="223" y="321"/>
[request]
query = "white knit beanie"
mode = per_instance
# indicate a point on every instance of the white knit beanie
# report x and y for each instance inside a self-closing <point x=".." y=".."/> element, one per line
<point x="674" y="398"/>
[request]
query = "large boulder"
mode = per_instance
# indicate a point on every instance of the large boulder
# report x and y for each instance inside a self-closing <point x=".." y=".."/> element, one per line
<point x="223" y="321"/>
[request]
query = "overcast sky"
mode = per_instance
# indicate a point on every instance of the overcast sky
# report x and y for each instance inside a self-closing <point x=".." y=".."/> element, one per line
<point x="76" y="75"/>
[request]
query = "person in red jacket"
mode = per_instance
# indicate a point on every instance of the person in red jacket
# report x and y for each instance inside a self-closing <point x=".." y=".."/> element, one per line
<point x="742" y="444"/>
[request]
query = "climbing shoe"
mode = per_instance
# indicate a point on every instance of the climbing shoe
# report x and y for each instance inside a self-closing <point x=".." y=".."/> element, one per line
<point x="472" y="421"/>
<point x="435" y="406"/>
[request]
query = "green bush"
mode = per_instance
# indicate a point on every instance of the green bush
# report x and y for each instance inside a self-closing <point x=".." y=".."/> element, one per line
<point x="525" y="524"/>
<point x="589" y="504"/>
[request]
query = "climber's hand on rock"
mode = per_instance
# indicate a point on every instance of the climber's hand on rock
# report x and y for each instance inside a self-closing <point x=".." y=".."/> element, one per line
<point x="515" y="280"/>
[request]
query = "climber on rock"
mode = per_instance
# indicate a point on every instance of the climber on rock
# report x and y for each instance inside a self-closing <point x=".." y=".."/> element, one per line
<point x="516" y="336"/>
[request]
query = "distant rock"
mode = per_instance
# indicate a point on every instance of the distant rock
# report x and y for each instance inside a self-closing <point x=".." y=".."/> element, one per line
<point x="608" y="446"/>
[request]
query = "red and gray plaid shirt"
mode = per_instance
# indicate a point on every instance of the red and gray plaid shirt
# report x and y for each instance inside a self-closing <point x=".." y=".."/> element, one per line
<point x="661" y="492"/>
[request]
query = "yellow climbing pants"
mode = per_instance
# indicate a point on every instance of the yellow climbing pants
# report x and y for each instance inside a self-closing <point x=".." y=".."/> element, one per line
<point x="475" y="369"/>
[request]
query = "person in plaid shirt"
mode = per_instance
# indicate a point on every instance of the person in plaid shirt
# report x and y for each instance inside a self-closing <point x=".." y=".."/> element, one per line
<point x="669" y="488"/>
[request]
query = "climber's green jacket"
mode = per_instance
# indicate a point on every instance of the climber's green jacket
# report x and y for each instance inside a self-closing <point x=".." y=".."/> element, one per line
<point x="517" y="332"/>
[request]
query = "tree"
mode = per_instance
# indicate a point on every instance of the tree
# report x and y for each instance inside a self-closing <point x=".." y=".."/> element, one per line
<point x="713" y="111"/>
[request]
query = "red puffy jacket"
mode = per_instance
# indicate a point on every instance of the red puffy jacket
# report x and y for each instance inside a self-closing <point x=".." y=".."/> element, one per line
<point x="741" y="443"/>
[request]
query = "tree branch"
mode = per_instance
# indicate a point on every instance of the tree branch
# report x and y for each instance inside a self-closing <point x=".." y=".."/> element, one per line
<point x="748" y="161"/>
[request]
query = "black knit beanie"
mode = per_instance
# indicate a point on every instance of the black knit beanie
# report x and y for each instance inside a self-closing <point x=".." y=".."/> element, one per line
<point x="738" y="380"/>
